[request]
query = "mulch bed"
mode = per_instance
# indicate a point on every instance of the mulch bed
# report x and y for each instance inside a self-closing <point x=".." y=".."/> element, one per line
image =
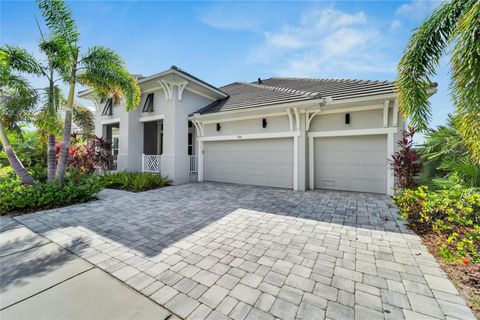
<point x="465" y="277"/>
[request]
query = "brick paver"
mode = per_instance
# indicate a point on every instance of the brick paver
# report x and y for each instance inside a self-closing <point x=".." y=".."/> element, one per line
<point x="222" y="251"/>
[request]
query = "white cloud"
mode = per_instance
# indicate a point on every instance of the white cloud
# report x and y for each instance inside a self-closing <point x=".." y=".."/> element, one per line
<point x="283" y="40"/>
<point x="417" y="9"/>
<point x="346" y="40"/>
<point x="395" y="25"/>
<point x="228" y="17"/>
<point x="332" y="18"/>
<point x="322" y="41"/>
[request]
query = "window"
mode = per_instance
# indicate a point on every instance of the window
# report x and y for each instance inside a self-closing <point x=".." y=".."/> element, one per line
<point x="190" y="144"/>
<point x="148" y="106"/>
<point x="107" y="110"/>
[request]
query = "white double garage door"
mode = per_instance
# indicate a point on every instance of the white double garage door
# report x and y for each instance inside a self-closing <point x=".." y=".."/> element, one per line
<point x="354" y="163"/>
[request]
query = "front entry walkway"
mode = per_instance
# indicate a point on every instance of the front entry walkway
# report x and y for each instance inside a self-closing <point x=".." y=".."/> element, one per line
<point x="220" y="251"/>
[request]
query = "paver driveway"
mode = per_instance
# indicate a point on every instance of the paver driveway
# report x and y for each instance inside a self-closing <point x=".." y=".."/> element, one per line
<point x="218" y="251"/>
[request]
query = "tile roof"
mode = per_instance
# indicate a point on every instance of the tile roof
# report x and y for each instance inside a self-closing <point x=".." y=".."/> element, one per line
<point x="283" y="90"/>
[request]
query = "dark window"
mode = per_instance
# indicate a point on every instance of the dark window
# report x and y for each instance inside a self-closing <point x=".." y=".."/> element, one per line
<point x="148" y="106"/>
<point x="190" y="144"/>
<point x="190" y="124"/>
<point x="107" y="110"/>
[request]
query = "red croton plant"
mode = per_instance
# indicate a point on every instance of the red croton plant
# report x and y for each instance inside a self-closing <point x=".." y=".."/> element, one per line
<point x="89" y="156"/>
<point x="406" y="162"/>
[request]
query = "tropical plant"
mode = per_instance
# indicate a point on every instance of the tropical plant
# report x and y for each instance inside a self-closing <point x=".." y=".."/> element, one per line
<point x="134" y="181"/>
<point x="89" y="156"/>
<point x="84" y="119"/>
<point x="17" y="197"/>
<point x="453" y="215"/>
<point x="29" y="146"/>
<point x="99" y="67"/>
<point x="17" y="100"/>
<point x="405" y="162"/>
<point x="455" y="23"/>
<point x="447" y="163"/>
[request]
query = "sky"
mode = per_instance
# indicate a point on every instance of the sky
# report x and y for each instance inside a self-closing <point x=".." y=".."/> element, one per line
<point x="223" y="42"/>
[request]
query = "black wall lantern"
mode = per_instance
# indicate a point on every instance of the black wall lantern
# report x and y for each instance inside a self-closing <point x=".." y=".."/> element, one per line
<point x="264" y="123"/>
<point x="347" y="118"/>
<point x="218" y="127"/>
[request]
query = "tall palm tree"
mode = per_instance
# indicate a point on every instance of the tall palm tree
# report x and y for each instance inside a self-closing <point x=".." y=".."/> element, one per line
<point x="456" y="23"/>
<point x="57" y="60"/>
<point x="98" y="67"/>
<point x="17" y="100"/>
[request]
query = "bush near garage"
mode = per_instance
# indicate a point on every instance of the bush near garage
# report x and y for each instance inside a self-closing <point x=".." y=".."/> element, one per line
<point x="134" y="181"/>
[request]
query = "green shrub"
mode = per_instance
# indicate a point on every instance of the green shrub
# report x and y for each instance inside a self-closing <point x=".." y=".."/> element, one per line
<point x="16" y="197"/>
<point x="134" y="181"/>
<point x="454" y="215"/>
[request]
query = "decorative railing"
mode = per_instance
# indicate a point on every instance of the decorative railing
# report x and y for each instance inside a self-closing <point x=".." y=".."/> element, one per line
<point x="151" y="162"/>
<point x="114" y="161"/>
<point x="193" y="164"/>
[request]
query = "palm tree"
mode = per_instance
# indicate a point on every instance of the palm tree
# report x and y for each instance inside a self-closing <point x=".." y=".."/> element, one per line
<point x="456" y="23"/>
<point x="56" y="61"/>
<point x="17" y="100"/>
<point x="99" y="67"/>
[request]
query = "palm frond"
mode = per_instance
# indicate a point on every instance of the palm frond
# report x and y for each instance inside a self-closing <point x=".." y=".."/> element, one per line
<point x="58" y="55"/>
<point x="18" y="60"/>
<point x="465" y="84"/>
<point x="105" y="72"/>
<point x="84" y="118"/>
<point x="421" y="57"/>
<point x="60" y="21"/>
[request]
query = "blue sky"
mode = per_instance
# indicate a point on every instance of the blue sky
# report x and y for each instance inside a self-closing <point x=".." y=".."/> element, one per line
<point x="222" y="42"/>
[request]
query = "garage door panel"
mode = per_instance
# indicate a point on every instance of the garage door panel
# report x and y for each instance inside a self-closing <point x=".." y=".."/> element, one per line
<point x="266" y="162"/>
<point x="356" y="163"/>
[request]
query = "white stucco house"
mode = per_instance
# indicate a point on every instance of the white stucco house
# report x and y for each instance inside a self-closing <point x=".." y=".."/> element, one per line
<point x="293" y="133"/>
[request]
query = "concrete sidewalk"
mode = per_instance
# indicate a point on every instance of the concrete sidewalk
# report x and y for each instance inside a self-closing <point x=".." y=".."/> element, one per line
<point x="41" y="280"/>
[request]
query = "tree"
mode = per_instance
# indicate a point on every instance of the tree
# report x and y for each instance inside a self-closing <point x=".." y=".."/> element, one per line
<point x="456" y="23"/>
<point x="17" y="100"/>
<point x="99" y="68"/>
<point x="57" y="61"/>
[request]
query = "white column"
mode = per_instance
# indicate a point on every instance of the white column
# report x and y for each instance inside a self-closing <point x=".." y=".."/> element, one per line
<point x="200" y="161"/>
<point x="295" y="163"/>
<point x="390" y="176"/>
<point x="311" y="165"/>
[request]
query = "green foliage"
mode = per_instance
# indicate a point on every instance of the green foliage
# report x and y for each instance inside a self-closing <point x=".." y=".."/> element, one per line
<point x="30" y="148"/>
<point x="16" y="197"/>
<point x="60" y="21"/>
<point x="446" y="160"/>
<point x="454" y="215"/>
<point x="17" y="97"/>
<point x="84" y="118"/>
<point x="455" y="23"/>
<point x="134" y="181"/>
<point x="106" y="73"/>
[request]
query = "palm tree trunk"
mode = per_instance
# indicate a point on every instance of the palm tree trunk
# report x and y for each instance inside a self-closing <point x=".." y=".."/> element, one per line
<point x="67" y="126"/>
<point x="13" y="159"/>
<point x="52" y="154"/>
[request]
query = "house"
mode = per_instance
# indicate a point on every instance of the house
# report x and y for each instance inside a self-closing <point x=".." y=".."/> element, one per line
<point x="295" y="133"/>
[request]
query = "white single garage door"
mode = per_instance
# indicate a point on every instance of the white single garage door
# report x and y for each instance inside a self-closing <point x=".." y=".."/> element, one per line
<point x="354" y="163"/>
<point x="264" y="162"/>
